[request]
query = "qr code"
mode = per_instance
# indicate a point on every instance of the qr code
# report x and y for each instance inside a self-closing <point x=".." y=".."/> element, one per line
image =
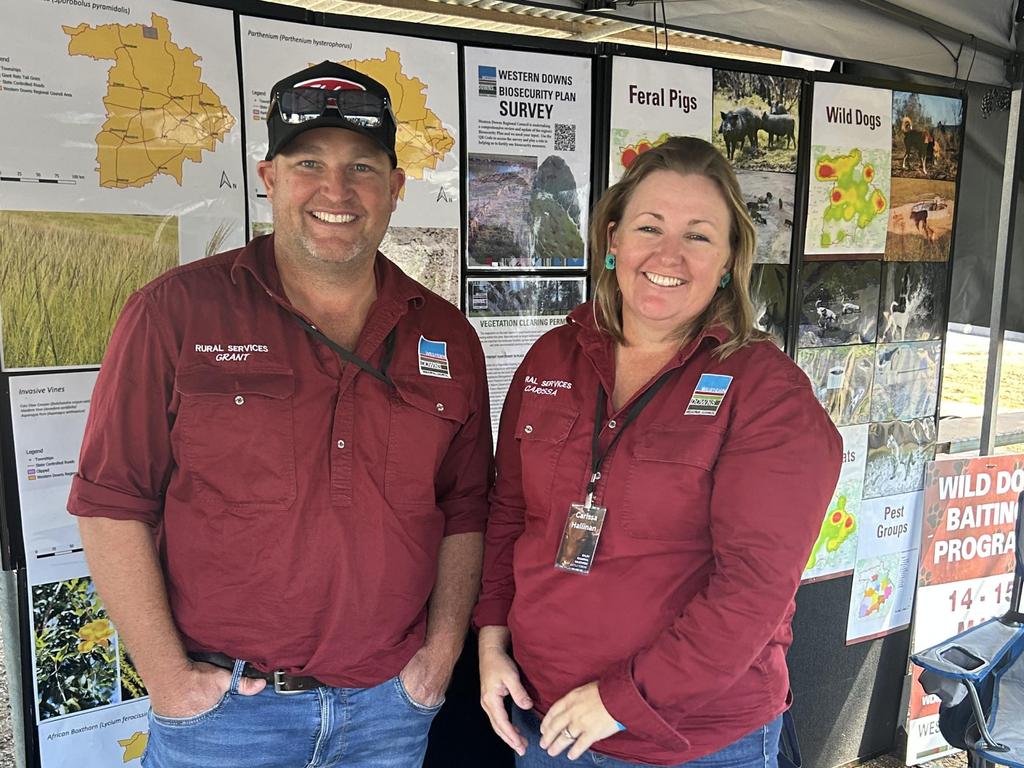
<point x="565" y="137"/>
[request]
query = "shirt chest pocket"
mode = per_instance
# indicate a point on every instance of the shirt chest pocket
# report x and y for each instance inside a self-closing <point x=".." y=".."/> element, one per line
<point x="542" y="433"/>
<point x="669" y="483"/>
<point x="425" y="417"/>
<point x="236" y="434"/>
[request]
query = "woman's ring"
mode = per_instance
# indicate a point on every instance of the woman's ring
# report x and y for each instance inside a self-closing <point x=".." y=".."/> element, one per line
<point x="568" y="734"/>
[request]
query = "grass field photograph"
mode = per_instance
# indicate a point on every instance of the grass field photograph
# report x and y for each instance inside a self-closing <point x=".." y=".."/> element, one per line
<point x="65" y="276"/>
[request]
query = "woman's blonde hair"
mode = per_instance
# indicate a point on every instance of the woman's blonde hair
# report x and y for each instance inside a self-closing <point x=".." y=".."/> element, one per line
<point x="730" y="306"/>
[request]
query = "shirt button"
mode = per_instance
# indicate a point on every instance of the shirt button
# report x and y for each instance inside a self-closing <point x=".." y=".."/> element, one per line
<point x="341" y="443"/>
<point x="239" y="400"/>
<point x="528" y="429"/>
<point x="440" y="407"/>
<point x="612" y="424"/>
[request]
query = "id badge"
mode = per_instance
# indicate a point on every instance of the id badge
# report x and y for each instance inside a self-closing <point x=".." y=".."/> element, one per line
<point x="579" y="539"/>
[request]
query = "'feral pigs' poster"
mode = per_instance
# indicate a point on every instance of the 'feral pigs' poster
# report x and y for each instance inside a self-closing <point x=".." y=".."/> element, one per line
<point x="652" y="100"/>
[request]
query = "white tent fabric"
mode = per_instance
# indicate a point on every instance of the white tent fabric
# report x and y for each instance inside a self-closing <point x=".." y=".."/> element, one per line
<point x="921" y="35"/>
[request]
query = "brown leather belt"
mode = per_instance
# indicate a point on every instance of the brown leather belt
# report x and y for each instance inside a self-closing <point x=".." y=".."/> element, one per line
<point x="283" y="683"/>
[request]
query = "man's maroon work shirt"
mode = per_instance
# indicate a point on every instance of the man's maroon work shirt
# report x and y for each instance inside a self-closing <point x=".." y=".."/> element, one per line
<point x="299" y="502"/>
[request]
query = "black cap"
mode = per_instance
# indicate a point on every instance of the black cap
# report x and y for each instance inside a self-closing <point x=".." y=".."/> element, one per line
<point x="331" y="76"/>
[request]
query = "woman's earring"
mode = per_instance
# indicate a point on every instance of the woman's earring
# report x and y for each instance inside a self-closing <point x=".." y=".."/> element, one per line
<point x="609" y="261"/>
<point x="726" y="279"/>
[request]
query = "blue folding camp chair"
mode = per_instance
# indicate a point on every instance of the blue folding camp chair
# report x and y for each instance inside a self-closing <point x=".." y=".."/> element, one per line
<point x="978" y="676"/>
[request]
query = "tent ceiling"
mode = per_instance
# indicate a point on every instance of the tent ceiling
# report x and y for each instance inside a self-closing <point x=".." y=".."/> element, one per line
<point x="550" y="22"/>
<point x="948" y="38"/>
<point x="921" y="35"/>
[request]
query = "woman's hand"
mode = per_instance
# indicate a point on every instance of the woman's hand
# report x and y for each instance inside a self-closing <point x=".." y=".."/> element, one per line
<point x="499" y="677"/>
<point x="581" y="715"/>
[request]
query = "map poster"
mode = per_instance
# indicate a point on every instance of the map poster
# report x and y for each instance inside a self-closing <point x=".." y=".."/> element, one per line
<point x="652" y="100"/>
<point x="48" y="415"/>
<point x="888" y="545"/>
<point x="114" y="166"/>
<point x="851" y="148"/>
<point x="966" y="571"/>
<point x="98" y="738"/>
<point x="90" y="702"/>
<point x="835" y="550"/>
<point x="528" y="135"/>
<point x="422" y="79"/>
<point x="509" y="314"/>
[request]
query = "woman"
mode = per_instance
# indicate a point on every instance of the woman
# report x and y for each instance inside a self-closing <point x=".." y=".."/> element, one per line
<point x="663" y="471"/>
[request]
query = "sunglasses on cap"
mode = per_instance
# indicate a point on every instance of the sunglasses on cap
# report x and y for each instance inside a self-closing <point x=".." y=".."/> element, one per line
<point x="361" y="108"/>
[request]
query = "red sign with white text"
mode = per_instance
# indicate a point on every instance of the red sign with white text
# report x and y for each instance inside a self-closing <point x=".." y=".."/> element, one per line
<point x="966" y="569"/>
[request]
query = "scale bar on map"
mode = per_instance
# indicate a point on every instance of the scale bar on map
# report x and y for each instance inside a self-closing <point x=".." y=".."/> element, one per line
<point x="38" y="181"/>
<point x="69" y="550"/>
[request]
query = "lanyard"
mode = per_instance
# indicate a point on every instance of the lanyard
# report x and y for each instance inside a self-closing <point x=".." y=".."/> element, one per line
<point x="597" y="456"/>
<point x="351" y="357"/>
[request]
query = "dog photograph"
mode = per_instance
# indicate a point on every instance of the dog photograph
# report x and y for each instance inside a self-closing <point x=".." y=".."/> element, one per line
<point x="926" y="136"/>
<point x="839" y="304"/>
<point x="906" y="384"/>
<point x="769" y="289"/>
<point x="921" y="220"/>
<point x="756" y="120"/>
<point x="898" y="452"/>
<point x="912" y="306"/>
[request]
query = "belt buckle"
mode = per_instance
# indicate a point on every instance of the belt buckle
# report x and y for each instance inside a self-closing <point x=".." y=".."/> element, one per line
<point x="280" y="682"/>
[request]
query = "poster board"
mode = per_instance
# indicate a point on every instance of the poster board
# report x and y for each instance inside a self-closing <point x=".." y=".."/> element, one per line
<point x="89" y="701"/>
<point x="528" y="137"/>
<point x="422" y="80"/>
<point x="131" y="163"/>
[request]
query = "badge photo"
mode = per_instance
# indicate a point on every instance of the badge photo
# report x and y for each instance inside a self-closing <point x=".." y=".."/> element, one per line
<point x="708" y="395"/>
<point x="433" y="358"/>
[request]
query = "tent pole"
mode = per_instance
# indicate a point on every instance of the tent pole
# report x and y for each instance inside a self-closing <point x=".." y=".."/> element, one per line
<point x="1001" y="274"/>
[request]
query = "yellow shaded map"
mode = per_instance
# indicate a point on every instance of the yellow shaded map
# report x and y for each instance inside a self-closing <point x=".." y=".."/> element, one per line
<point x="421" y="141"/>
<point x="159" y="112"/>
<point x="134" y="746"/>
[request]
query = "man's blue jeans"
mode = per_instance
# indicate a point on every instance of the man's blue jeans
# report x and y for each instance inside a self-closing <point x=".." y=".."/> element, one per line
<point x="379" y="727"/>
<point x="759" y="749"/>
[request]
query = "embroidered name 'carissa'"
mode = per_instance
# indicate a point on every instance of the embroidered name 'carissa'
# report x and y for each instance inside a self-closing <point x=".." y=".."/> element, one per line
<point x="708" y="394"/>
<point x="433" y="357"/>
<point x="547" y="387"/>
<point x="231" y="353"/>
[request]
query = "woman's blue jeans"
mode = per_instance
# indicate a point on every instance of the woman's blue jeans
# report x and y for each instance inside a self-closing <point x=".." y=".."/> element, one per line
<point x="759" y="749"/>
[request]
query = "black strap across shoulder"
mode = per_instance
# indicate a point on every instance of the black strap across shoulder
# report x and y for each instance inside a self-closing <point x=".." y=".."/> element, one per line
<point x="348" y="356"/>
<point x="597" y="456"/>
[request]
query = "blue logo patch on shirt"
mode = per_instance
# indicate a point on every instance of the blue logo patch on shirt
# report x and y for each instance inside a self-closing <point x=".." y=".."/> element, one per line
<point x="708" y="394"/>
<point x="433" y="357"/>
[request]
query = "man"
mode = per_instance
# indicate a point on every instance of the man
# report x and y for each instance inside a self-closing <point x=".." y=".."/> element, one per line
<point x="306" y="432"/>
